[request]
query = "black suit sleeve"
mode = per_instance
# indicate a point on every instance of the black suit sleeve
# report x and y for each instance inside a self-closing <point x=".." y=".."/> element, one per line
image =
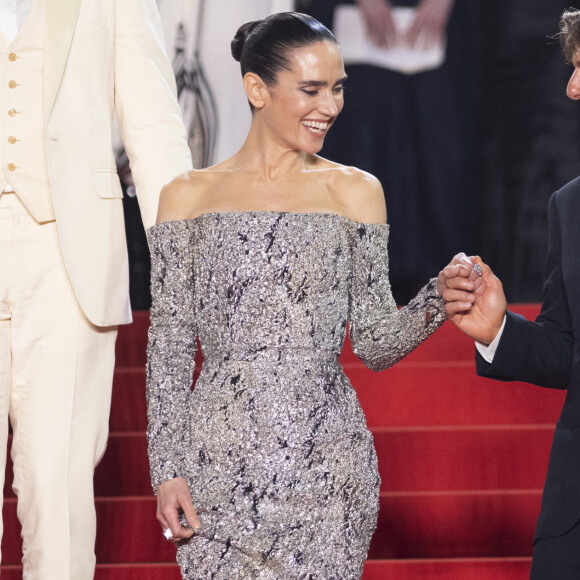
<point x="538" y="352"/>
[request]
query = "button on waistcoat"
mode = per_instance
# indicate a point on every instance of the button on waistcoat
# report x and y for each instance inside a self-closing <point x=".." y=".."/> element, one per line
<point x="22" y="130"/>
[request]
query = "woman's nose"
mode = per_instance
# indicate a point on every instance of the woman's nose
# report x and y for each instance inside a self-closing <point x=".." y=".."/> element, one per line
<point x="329" y="106"/>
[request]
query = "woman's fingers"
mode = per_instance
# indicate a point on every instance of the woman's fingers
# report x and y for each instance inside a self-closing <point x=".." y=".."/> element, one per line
<point x="169" y="519"/>
<point x="458" y="276"/>
<point x="451" y="295"/>
<point x="173" y="497"/>
<point x="454" y="308"/>
<point x="186" y="505"/>
<point x="191" y="516"/>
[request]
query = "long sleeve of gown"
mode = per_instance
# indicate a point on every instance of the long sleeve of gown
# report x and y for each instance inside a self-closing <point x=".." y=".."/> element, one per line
<point x="170" y="351"/>
<point x="382" y="335"/>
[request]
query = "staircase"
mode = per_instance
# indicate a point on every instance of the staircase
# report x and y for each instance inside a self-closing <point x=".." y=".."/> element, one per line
<point x="462" y="462"/>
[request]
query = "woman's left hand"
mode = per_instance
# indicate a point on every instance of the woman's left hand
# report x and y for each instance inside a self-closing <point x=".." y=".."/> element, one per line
<point x="460" y="267"/>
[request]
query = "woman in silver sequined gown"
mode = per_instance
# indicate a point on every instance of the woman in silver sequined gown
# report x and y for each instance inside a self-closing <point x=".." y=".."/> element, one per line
<point x="272" y="445"/>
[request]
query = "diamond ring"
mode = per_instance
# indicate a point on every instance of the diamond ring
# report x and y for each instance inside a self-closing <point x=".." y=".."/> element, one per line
<point x="167" y="534"/>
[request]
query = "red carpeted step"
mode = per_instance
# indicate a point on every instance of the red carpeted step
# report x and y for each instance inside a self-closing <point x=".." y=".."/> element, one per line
<point x="126" y="457"/>
<point x="128" y="405"/>
<point x="138" y="572"/>
<point x="132" y="341"/>
<point x="463" y="458"/>
<point x="411" y="525"/>
<point x="448" y="569"/>
<point x="440" y="569"/>
<point x="420" y="394"/>
<point x="456" y="524"/>
<point x="11" y="541"/>
<point x="449" y="395"/>
<point x="410" y="459"/>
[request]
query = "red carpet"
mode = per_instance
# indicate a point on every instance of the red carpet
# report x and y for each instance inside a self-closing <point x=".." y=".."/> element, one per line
<point x="462" y="462"/>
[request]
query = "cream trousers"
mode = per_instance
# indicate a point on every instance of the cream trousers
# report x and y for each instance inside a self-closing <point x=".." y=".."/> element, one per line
<point x="56" y="372"/>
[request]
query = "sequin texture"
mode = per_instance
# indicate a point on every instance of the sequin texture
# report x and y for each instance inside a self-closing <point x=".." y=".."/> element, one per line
<point x="272" y="440"/>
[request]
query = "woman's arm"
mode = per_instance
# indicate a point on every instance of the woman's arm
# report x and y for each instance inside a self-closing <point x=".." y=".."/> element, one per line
<point x="170" y="365"/>
<point x="381" y="335"/>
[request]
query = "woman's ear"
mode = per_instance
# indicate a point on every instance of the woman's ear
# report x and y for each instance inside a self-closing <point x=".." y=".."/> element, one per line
<point x="256" y="90"/>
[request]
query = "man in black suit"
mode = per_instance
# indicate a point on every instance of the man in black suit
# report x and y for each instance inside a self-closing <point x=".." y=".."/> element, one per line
<point x="545" y="352"/>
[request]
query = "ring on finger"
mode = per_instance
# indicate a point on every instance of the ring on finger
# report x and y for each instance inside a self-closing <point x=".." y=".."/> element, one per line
<point x="167" y="534"/>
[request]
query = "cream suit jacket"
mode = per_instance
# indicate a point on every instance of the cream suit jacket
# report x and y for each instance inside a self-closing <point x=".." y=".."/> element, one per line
<point x="103" y="56"/>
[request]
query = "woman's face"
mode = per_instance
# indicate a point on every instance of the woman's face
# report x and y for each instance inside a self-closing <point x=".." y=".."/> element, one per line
<point x="307" y="98"/>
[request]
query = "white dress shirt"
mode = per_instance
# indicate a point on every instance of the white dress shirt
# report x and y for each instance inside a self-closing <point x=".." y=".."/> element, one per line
<point x="12" y="14"/>
<point x="488" y="352"/>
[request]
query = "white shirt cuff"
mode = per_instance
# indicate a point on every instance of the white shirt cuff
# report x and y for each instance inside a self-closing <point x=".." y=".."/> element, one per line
<point x="488" y="352"/>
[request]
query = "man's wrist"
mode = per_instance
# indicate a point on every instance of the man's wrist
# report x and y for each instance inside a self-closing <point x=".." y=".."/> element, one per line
<point x="487" y="351"/>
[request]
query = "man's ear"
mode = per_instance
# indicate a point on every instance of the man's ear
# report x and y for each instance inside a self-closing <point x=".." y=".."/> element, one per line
<point x="256" y="90"/>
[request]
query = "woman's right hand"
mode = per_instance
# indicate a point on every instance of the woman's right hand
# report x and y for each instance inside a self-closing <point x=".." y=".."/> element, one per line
<point x="173" y="495"/>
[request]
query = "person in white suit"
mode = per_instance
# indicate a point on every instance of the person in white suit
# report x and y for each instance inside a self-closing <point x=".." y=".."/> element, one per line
<point x="66" y="67"/>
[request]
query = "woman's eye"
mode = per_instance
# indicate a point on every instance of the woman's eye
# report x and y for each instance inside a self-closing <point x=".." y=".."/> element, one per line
<point x="339" y="89"/>
<point x="311" y="93"/>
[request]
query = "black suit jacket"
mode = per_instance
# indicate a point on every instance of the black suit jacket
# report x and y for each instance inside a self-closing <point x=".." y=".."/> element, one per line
<point x="547" y="353"/>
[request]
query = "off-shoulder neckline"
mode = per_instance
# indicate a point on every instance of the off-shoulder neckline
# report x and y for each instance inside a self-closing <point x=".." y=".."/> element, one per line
<point x="270" y="212"/>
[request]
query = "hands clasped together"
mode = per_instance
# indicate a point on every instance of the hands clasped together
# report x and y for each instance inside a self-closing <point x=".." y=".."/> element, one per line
<point x="475" y="302"/>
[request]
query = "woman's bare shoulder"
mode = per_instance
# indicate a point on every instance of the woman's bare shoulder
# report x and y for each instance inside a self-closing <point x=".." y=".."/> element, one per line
<point x="181" y="197"/>
<point x="359" y="194"/>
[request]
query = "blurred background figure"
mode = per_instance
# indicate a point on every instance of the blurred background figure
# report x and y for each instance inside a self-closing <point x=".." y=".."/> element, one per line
<point x="416" y="132"/>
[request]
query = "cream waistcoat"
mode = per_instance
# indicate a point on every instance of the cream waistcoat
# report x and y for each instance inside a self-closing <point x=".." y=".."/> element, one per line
<point x="23" y="143"/>
<point x="100" y="57"/>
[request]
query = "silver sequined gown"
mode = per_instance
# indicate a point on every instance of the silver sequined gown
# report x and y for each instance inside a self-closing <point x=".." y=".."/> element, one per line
<point x="272" y="441"/>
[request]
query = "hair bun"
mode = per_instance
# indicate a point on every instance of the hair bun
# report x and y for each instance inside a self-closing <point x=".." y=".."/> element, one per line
<point x="240" y="38"/>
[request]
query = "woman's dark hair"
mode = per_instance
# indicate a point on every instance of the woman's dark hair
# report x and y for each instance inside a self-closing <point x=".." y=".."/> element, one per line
<point x="570" y="33"/>
<point x="262" y="47"/>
